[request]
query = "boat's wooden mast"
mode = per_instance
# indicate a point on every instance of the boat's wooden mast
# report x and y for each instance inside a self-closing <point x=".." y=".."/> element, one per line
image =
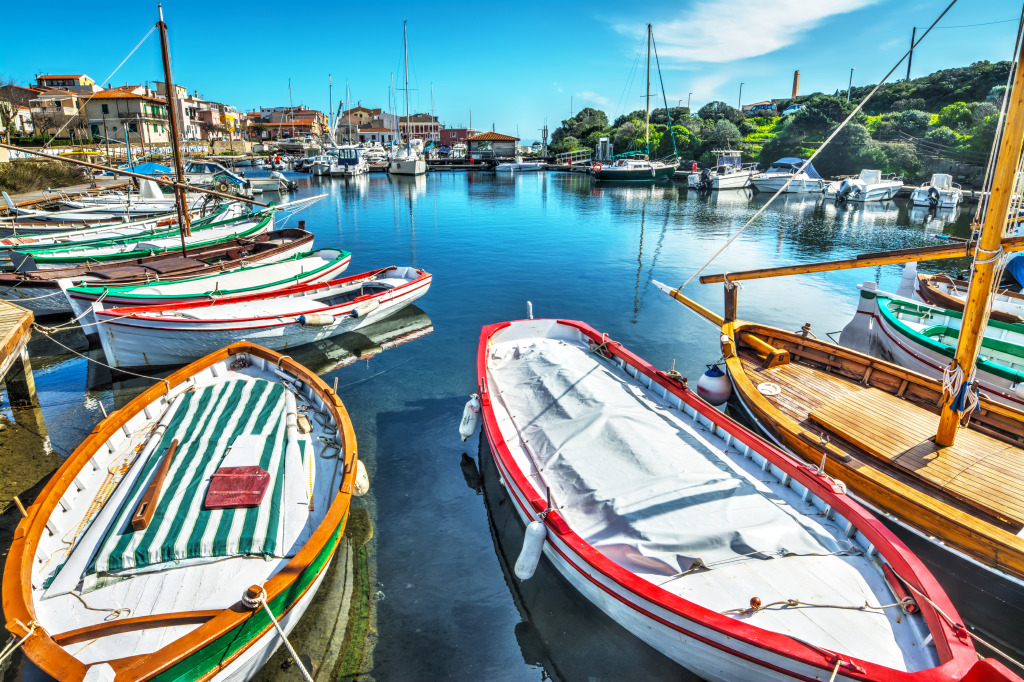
<point x="647" y="126"/>
<point x="989" y="251"/>
<point x="180" y="198"/>
<point x="405" y="50"/>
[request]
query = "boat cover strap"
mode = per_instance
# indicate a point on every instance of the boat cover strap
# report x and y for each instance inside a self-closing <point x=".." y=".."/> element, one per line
<point x="206" y="423"/>
<point x="633" y="477"/>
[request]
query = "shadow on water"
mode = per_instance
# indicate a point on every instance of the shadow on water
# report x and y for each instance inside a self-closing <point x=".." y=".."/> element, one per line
<point x="561" y="631"/>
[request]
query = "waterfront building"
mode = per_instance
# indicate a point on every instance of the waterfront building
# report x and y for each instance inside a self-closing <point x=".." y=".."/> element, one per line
<point x="54" y="111"/>
<point x="78" y="83"/>
<point x="487" y="146"/>
<point x="381" y="136"/>
<point x="453" y="136"/>
<point x="420" y="127"/>
<point x="129" y="110"/>
<point x="291" y="122"/>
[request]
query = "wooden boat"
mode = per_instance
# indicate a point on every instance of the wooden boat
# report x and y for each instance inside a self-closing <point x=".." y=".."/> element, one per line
<point x="97" y="597"/>
<point x="871" y="424"/>
<point x="301" y="268"/>
<point x="713" y="546"/>
<point x="950" y="293"/>
<point x="173" y="334"/>
<point x="55" y="256"/>
<point x="161" y="225"/>
<point x="40" y="290"/>
<point x="923" y="338"/>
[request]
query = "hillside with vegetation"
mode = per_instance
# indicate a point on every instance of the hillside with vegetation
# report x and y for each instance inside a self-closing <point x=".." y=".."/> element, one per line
<point x="950" y="114"/>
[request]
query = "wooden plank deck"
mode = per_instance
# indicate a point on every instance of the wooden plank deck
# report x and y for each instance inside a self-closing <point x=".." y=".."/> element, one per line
<point x="979" y="470"/>
<point x="15" y="330"/>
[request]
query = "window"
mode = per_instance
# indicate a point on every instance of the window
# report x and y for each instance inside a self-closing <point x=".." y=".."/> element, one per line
<point x="95" y="129"/>
<point x="133" y="128"/>
<point x="106" y="109"/>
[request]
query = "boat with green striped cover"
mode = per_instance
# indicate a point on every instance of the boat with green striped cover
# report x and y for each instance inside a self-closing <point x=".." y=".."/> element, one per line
<point x="923" y="338"/>
<point x="158" y="548"/>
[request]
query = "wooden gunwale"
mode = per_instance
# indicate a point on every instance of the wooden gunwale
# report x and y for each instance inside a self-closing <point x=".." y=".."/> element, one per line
<point x="952" y="649"/>
<point x="18" y="604"/>
<point x="882" y="486"/>
<point x="935" y="296"/>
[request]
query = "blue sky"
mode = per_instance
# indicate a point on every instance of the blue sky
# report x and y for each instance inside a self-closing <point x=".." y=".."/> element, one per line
<point x="509" y="66"/>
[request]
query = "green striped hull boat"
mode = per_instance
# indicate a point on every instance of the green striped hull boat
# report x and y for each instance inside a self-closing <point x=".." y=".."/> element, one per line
<point x="187" y="579"/>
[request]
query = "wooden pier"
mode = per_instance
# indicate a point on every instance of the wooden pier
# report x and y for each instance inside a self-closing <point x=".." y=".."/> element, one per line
<point x="15" y="367"/>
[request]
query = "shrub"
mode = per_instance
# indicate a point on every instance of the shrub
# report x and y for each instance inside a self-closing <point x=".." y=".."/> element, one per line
<point x="27" y="176"/>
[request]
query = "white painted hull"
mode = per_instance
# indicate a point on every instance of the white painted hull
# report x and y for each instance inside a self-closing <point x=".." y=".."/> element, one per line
<point x="321" y="169"/>
<point x="948" y="198"/>
<point x="40" y="300"/>
<point x="348" y="171"/>
<point x="880" y="192"/>
<point x="720" y="182"/>
<point x="771" y="185"/>
<point x="144" y="342"/>
<point x="406" y="166"/>
<point x="519" y="167"/>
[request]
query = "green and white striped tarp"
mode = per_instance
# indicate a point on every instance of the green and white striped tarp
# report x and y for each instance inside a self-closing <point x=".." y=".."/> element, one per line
<point x="205" y="422"/>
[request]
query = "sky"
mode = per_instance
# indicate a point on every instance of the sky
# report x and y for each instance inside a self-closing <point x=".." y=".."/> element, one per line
<point x="513" y="68"/>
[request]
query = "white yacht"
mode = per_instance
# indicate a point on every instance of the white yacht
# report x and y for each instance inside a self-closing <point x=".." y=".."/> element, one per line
<point x="349" y="161"/>
<point x="408" y="159"/>
<point x="870" y="185"/>
<point x="729" y="172"/>
<point x="519" y="166"/>
<point x="940" y="192"/>
<point x="322" y="164"/>
<point x="806" y="181"/>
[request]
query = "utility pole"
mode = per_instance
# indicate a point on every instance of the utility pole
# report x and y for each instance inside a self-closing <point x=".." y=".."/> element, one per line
<point x="910" y="57"/>
<point x="688" y="100"/>
<point x="739" y="102"/>
<point x="570" y="106"/>
<point x="850" y="86"/>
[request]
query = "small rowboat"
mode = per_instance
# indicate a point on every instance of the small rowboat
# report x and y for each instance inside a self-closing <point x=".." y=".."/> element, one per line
<point x="713" y="546"/>
<point x="132" y="565"/>
<point x="946" y="292"/>
<point x="923" y="338"/>
<point x="302" y="268"/>
<point x="173" y="334"/>
<point x="40" y="290"/>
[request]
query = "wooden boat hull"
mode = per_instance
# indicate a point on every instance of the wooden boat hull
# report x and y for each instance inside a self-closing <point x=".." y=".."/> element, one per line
<point x="40" y="291"/>
<point x="1007" y="306"/>
<point x="133" y="339"/>
<point x="694" y="637"/>
<point x="635" y="175"/>
<point x="225" y="644"/>
<point x="955" y="533"/>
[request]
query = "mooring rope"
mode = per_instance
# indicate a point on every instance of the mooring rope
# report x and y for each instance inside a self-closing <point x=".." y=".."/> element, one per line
<point x="13" y="645"/>
<point x="261" y="600"/>
<point x="42" y="331"/>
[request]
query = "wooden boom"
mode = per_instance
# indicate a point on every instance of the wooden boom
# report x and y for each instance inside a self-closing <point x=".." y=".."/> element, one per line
<point x="118" y="171"/>
<point x="957" y="250"/>
<point x="147" y="505"/>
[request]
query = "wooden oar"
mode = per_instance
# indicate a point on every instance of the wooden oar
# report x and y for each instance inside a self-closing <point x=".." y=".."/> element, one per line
<point x="147" y="506"/>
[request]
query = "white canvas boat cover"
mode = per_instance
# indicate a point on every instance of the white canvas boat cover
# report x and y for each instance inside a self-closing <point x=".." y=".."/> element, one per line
<point x="794" y="164"/>
<point x="942" y="181"/>
<point x="629" y="475"/>
<point x="871" y="177"/>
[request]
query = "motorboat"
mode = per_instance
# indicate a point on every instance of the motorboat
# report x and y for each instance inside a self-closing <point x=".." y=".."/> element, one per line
<point x="196" y="525"/>
<point x="729" y="172"/>
<point x="870" y="185"/>
<point x="519" y="166"/>
<point x="40" y="290"/>
<point x="348" y="161"/>
<point x="635" y="168"/>
<point x="801" y="177"/>
<point x="216" y="176"/>
<point x="322" y="164"/>
<point x="175" y="334"/>
<point x="713" y="546"/>
<point x="940" y="192"/>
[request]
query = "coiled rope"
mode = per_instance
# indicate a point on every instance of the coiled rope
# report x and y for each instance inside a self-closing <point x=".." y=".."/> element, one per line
<point x="261" y="600"/>
<point x="964" y="395"/>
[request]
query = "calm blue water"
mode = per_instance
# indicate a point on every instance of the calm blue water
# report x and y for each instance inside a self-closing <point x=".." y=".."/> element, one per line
<point x="422" y="584"/>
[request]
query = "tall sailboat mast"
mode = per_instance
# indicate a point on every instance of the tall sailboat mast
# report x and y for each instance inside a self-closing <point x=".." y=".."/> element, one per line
<point x="330" y="106"/>
<point x="989" y="251"/>
<point x="180" y="200"/>
<point x="405" y="42"/>
<point x="348" y="126"/>
<point x="647" y="126"/>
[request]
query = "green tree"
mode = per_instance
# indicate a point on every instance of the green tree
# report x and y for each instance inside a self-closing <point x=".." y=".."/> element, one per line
<point x="902" y="159"/>
<point x="944" y="136"/>
<point x="957" y="116"/>
<point x="724" y="135"/>
<point x="850" y="151"/>
<point x="820" y="116"/>
<point x="716" y="111"/>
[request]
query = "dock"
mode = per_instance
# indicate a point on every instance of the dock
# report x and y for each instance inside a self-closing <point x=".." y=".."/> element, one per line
<point x="15" y="366"/>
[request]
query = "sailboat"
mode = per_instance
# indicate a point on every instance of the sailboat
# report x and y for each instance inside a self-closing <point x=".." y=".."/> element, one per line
<point x="636" y="167"/>
<point x="945" y="476"/>
<point x="407" y="160"/>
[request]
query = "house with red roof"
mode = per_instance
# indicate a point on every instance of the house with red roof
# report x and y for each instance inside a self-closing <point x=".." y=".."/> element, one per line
<point x="491" y="146"/>
<point x="132" y="110"/>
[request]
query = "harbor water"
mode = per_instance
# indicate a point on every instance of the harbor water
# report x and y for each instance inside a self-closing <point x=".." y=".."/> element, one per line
<point x="422" y="588"/>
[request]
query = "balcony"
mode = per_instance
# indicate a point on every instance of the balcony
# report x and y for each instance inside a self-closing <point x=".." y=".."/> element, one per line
<point x="134" y="115"/>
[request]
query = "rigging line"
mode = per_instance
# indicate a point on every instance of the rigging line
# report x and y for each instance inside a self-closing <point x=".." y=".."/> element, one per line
<point x="987" y="23"/>
<point x="108" y="80"/>
<point x="664" y="97"/>
<point x="624" y="96"/>
<point x="817" y="151"/>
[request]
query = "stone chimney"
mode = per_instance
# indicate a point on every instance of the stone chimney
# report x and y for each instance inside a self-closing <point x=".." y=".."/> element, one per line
<point x="796" y="83"/>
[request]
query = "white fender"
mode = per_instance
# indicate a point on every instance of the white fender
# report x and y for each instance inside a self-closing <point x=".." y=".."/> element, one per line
<point x="470" y="417"/>
<point x="362" y="484"/>
<point x="714" y="386"/>
<point x="316" y="320"/>
<point x="364" y="309"/>
<point x="533" y="546"/>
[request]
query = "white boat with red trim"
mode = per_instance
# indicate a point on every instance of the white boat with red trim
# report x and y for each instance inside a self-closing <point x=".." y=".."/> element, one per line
<point x="710" y="544"/>
<point x="173" y="334"/>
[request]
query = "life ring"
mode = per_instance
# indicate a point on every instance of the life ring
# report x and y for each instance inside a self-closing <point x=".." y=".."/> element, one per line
<point x="597" y="167"/>
<point x="164" y="177"/>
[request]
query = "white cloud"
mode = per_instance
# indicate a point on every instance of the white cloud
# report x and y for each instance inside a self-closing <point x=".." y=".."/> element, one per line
<point x="712" y="31"/>
<point x="593" y="97"/>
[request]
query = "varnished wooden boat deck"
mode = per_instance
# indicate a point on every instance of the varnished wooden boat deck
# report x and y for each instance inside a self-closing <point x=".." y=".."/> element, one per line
<point x="15" y="330"/>
<point x="978" y="472"/>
